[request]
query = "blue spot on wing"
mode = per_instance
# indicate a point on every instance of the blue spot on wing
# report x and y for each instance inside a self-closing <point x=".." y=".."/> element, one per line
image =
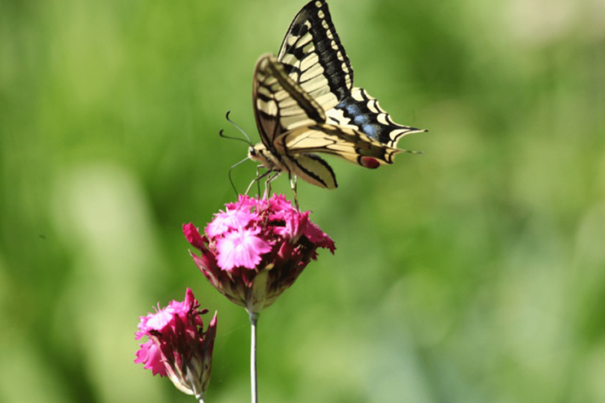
<point x="352" y="110"/>
<point x="370" y="130"/>
<point x="356" y="114"/>
<point x="364" y="119"/>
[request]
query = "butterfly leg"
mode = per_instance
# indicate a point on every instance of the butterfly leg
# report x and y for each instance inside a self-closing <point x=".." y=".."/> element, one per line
<point x="268" y="182"/>
<point x="257" y="180"/>
<point x="250" y="185"/>
<point x="293" y="186"/>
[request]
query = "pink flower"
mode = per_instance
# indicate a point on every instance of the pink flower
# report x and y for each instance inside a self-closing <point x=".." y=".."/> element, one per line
<point x="256" y="249"/>
<point x="178" y="347"/>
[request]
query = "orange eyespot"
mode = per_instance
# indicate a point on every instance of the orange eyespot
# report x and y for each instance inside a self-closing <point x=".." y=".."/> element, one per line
<point x="369" y="162"/>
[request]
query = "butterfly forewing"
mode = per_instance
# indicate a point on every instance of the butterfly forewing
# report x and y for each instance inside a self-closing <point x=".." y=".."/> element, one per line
<point x="279" y="103"/>
<point x="314" y="57"/>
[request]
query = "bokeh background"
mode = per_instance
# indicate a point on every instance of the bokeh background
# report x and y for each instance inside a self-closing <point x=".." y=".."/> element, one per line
<point x="472" y="273"/>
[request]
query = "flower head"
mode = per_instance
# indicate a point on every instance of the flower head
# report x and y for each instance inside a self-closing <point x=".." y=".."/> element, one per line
<point x="178" y="347"/>
<point x="255" y="249"/>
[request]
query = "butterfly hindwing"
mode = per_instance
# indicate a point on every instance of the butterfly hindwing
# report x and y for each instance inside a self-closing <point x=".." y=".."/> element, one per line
<point x="360" y="111"/>
<point x="345" y="143"/>
<point x="313" y="169"/>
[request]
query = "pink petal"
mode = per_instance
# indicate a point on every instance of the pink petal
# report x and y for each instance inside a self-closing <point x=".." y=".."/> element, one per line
<point x="318" y="237"/>
<point x="193" y="236"/>
<point x="244" y="202"/>
<point x="190" y="300"/>
<point x="296" y="222"/>
<point x="229" y="220"/>
<point x="150" y="355"/>
<point x="280" y="203"/>
<point x="241" y="249"/>
<point x="160" y="320"/>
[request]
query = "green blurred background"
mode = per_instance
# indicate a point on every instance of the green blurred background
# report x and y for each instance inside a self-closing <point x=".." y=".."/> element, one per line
<point x="472" y="273"/>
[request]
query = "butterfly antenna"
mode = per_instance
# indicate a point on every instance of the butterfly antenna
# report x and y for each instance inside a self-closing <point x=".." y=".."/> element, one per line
<point x="220" y="133"/>
<point x="231" y="169"/>
<point x="248" y="141"/>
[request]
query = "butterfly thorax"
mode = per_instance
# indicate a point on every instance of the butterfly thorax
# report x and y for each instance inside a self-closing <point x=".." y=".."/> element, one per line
<point x="265" y="157"/>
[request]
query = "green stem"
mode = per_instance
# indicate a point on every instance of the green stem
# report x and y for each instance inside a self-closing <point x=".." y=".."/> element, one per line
<point x="253" y="381"/>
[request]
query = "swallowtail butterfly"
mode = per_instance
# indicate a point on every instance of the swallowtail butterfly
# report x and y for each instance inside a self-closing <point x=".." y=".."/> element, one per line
<point x="305" y="103"/>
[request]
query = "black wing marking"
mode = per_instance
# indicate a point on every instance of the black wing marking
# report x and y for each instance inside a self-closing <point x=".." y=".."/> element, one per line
<point x="314" y="56"/>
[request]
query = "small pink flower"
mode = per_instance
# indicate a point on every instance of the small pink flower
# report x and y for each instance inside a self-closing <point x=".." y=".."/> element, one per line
<point x="178" y="347"/>
<point x="256" y="249"/>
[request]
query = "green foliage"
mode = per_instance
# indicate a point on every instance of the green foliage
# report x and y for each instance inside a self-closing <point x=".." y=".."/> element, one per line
<point x="472" y="273"/>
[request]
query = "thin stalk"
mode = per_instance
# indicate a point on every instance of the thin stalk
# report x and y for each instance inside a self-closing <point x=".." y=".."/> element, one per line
<point x="253" y="381"/>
